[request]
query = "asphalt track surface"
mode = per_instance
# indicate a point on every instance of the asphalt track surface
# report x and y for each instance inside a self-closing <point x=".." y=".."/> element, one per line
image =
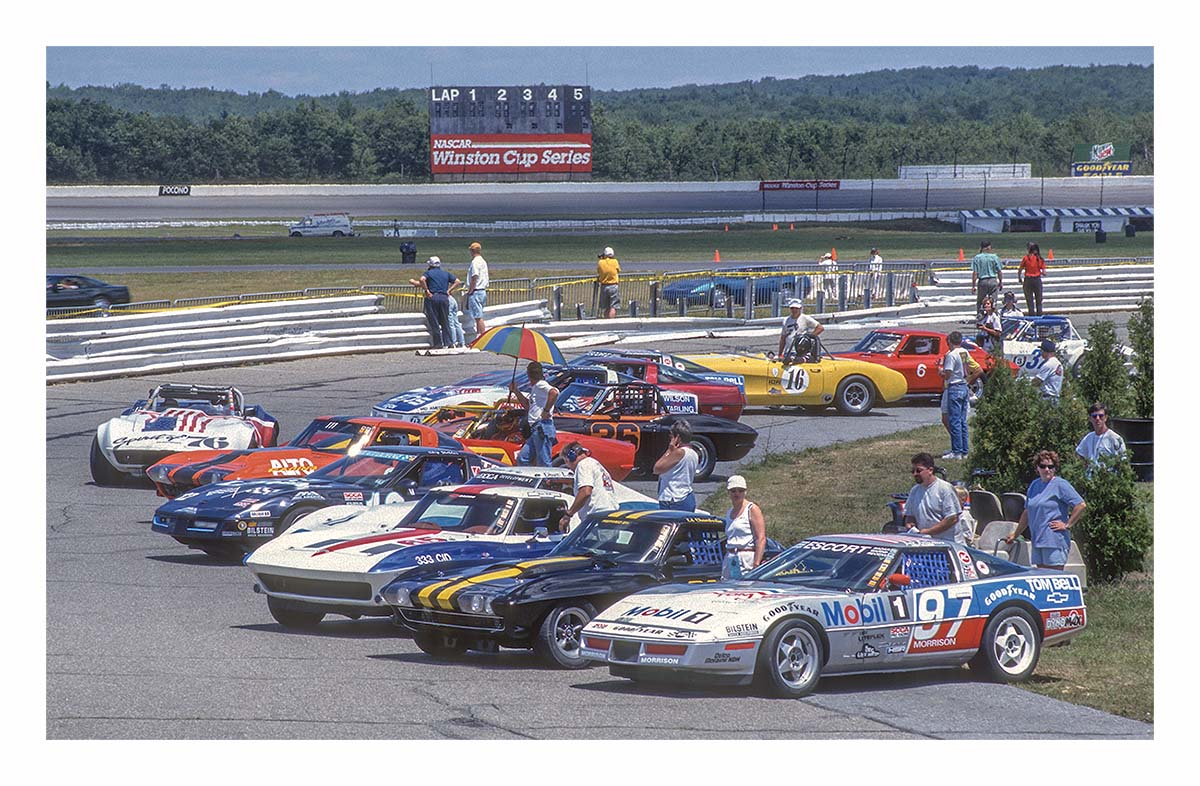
<point x="148" y="640"/>
<point x="1056" y="192"/>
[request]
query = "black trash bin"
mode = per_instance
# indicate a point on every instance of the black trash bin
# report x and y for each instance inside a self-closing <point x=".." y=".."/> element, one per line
<point x="1130" y="230"/>
<point x="408" y="253"/>
<point x="1101" y="236"/>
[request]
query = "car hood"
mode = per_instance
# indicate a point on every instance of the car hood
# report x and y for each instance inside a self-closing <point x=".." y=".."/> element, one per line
<point x="230" y="497"/>
<point x="426" y="398"/>
<point x="726" y="610"/>
<point x="502" y="575"/>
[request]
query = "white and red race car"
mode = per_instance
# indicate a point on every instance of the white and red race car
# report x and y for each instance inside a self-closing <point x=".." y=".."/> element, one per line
<point x="175" y="418"/>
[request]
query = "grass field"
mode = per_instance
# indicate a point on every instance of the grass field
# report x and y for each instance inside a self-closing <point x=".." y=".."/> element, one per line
<point x="1110" y="666"/>
<point x="318" y="262"/>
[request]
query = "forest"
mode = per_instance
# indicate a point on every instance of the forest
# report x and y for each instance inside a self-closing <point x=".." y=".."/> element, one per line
<point x="848" y="127"/>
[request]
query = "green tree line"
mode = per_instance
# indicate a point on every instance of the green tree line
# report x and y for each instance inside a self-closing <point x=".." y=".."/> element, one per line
<point x="860" y="126"/>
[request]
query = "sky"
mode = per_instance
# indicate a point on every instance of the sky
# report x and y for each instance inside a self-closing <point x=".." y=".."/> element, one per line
<point x="322" y="70"/>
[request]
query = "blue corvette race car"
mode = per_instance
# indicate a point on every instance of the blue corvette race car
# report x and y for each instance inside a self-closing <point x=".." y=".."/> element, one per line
<point x="236" y="516"/>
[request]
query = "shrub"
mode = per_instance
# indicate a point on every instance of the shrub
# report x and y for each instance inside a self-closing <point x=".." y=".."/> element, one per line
<point x="1101" y="374"/>
<point x="1115" y="532"/>
<point x="1141" y="338"/>
<point x="1013" y="422"/>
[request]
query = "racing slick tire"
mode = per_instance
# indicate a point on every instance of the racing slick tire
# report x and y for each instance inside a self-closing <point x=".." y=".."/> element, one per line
<point x="338" y="233"/>
<point x="224" y="552"/>
<point x="293" y="618"/>
<point x="789" y="662"/>
<point x="558" y="637"/>
<point x="706" y="452"/>
<point x="294" y="234"/>
<point x="434" y="644"/>
<point x="103" y="473"/>
<point x="1010" y="647"/>
<point x="855" y="395"/>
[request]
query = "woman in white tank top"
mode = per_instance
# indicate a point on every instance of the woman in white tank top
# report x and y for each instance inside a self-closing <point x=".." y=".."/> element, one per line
<point x="745" y="530"/>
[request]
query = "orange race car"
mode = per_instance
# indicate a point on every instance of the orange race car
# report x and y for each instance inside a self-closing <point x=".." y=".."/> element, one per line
<point x="499" y="432"/>
<point x="324" y="441"/>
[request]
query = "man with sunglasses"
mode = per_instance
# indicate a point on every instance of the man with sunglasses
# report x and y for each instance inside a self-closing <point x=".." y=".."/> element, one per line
<point x="1101" y="440"/>
<point x="932" y="507"/>
<point x="1052" y="506"/>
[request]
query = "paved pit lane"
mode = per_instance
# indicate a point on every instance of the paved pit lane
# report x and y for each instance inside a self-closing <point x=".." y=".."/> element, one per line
<point x="148" y="640"/>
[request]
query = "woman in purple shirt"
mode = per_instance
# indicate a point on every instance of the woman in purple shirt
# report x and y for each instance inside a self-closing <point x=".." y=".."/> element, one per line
<point x="1052" y="506"/>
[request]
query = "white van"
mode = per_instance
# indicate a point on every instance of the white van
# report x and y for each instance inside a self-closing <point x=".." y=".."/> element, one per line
<point x="323" y="225"/>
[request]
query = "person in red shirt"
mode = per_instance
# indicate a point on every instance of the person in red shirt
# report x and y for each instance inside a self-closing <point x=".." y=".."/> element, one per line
<point x="1029" y="273"/>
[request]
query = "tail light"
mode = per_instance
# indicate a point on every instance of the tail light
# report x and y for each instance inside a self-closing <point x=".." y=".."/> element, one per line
<point x="666" y="649"/>
<point x="596" y="644"/>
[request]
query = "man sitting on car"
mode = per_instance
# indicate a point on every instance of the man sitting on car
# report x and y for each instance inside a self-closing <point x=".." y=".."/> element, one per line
<point x="797" y="323"/>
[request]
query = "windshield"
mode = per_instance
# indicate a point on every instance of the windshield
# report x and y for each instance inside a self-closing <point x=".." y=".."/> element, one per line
<point x="826" y="565"/>
<point x="370" y="470"/>
<point x="330" y="435"/>
<point x="625" y="541"/>
<point x="1014" y="326"/>
<point x="876" y="342"/>
<point x="478" y="514"/>
<point x="578" y="398"/>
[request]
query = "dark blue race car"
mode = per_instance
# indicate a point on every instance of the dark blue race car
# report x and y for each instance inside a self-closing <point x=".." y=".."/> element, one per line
<point x="237" y="516"/>
<point x="713" y="289"/>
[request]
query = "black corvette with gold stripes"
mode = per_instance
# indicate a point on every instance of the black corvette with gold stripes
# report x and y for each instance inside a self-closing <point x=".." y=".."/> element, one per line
<point x="543" y="603"/>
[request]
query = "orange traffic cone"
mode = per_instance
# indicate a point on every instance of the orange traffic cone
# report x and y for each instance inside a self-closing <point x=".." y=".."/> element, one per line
<point x="774" y="227"/>
<point x="834" y="252"/>
<point x="1051" y="255"/>
<point x="791" y="227"/>
<point x="717" y="255"/>
<point x="961" y="256"/>
<point x="727" y="227"/>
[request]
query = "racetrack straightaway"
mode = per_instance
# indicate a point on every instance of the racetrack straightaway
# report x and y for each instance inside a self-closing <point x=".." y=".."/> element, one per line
<point x="148" y="640"/>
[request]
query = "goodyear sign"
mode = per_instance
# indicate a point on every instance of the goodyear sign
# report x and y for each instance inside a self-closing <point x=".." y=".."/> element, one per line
<point x="1106" y="158"/>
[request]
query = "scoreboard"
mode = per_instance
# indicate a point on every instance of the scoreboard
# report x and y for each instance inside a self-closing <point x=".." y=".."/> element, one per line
<point x="493" y="133"/>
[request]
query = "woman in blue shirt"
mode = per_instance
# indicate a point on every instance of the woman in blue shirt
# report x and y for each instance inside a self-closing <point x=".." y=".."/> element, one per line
<point x="1052" y="506"/>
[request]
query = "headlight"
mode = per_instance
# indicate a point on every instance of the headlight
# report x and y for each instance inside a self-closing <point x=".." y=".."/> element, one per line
<point x="475" y="603"/>
<point x="159" y="474"/>
<point x="397" y="596"/>
<point x="211" y="476"/>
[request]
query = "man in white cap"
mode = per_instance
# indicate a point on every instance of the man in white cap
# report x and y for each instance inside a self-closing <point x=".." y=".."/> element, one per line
<point x="608" y="273"/>
<point x="797" y="323"/>
<point x="439" y="286"/>
<point x="477" y="285"/>
<point x="594" y="491"/>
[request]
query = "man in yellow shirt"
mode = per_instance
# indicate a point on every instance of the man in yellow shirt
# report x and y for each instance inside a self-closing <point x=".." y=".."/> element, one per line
<point x="608" y="272"/>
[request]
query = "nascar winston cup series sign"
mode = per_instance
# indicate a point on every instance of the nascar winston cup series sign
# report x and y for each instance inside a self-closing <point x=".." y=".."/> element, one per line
<point x="514" y="131"/>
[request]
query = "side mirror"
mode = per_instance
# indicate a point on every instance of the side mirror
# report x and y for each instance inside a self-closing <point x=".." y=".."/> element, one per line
<point x="541" y="532"/>
<point x="615" y="416"/>
<point x="898" y="580"/>
<point x="677" y="561"/>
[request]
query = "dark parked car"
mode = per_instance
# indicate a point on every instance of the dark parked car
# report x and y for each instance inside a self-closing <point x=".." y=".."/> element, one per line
<point x="543" y="603"/>
<point x="63" y="291"/>
<point x="714" y="289"/>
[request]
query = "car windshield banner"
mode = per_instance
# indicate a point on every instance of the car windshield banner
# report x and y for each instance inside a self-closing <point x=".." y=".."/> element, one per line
<point x="1106" y="158"/>
<point x="509" y="153"/>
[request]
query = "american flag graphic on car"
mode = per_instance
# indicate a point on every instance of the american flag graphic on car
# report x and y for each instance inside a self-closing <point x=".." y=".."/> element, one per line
<point x="189" y="420"/>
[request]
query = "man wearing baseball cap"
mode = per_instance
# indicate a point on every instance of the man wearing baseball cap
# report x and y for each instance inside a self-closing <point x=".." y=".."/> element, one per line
<point x="608" y="273"/>
<point x="477" y="285"/>
<point x="1050" y="373"/>
<point x="796" y="324"/>
<point x="594" y="491"/>
<point x="438" y="286"/>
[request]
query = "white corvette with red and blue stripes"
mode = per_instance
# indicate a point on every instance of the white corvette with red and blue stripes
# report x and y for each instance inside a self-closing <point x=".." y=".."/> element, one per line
<point x="843" y="604"/>
<point x="176" y="418"/>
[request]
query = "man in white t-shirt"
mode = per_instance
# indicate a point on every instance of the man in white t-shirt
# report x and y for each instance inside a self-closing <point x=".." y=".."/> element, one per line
<point x="539" y="405"/>
<point x="594" y="492"/>
<point x="797" y="323"/>
<point x="874" y="271"/>
<point x="1050" y="373"/>
<point x="1101" y="440"/>
<point x="477" y="286"/>
<point x="932" y="507"/>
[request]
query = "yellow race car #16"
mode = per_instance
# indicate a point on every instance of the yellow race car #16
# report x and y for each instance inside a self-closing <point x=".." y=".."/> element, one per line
<point x="813" y="379"/>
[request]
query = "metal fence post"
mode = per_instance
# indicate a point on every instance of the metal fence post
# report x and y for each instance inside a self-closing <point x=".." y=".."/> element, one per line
<point x="579" y="311"/>
<point x="633" y="309"/>
<point x="842" y="294"/>
<point x="558" y="304"/>
<point x="866" y="297"/>
<point x="749" y="297"/>
<point x="820" y="300"/>
<point x="682" y="304"/>
<point x="654" y="298"/>
<point x="890" y="288"/>
<point x="776" y="304"/>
